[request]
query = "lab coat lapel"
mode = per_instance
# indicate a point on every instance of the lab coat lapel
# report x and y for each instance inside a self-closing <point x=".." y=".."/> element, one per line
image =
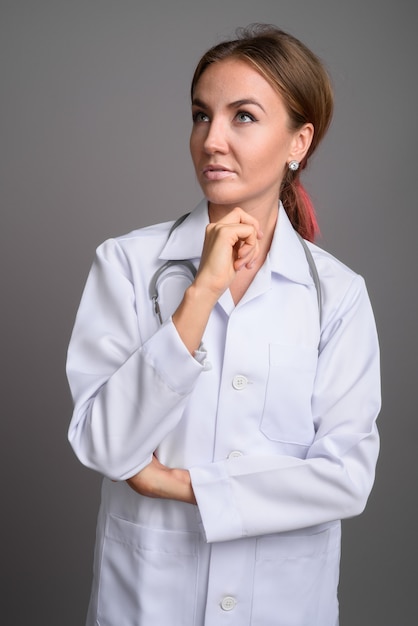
<point x="186" y="241"/>
<point x="287" y="256"/>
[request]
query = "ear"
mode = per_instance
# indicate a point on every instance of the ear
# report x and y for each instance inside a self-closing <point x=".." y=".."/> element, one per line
<point x="301" y="141"/>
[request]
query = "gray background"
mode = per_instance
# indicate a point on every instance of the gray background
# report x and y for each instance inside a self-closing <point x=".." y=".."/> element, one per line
<point x="94" y="142"/>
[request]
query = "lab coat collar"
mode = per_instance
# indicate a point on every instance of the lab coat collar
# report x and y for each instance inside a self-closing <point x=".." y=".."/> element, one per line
<point x="186" y="241"/>
<point x="286" y="256"/>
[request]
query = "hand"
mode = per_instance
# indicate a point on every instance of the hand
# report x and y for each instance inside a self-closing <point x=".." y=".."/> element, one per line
<point x="159" y="481"/>
<point x="231" y="244"/>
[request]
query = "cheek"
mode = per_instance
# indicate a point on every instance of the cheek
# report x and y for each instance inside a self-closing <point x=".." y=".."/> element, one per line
<point x="272" y="156"/>
<point x="268" y="172"/>
<point x="267" y="146"/>
<point x="267" y="162"/>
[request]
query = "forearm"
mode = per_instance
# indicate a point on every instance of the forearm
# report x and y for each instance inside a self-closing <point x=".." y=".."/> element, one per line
<point x="119" y="420"/>
<point x="250" y="496"/>
<point x="192" y="315"/>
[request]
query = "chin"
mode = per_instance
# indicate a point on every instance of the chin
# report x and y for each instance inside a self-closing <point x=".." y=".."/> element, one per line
<point x="223" y="199"/>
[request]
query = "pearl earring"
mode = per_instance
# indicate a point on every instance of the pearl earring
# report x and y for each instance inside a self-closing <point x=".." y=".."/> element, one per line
<point x="294" y="166"/>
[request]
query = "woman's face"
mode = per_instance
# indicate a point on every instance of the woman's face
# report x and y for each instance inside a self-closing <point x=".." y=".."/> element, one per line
<point x="241" y="141"/>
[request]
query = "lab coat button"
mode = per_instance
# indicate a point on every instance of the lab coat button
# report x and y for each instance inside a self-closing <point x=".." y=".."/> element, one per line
<point x="234" y="454"/>
<point x="239" y="382"/>
<point x="228" y="603"/>
<point x="207" y="365"/>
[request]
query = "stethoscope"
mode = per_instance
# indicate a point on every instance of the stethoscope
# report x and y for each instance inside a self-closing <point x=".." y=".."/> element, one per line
<point x="153" y="286"/>
<point x="185" y="264"/>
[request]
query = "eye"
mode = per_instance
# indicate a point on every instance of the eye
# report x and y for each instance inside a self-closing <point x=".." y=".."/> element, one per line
<point x="200" y="116"/>
<point x="244" y="117"/>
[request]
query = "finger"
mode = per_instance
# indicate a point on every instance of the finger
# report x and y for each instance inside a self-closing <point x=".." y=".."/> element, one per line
<point x="237" y="236"/>
<point x="240" y="216"/>
<point x="246" y="251"/>
<point x="248" y="241"/>
<point x="247" y="257"/>
<point x="246" y="233"/>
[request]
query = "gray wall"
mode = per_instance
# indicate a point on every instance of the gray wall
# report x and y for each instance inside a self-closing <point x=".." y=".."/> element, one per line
<point x="94" y="142"/>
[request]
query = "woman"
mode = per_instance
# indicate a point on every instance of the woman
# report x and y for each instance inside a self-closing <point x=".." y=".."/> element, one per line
<point x="235" y="435"/>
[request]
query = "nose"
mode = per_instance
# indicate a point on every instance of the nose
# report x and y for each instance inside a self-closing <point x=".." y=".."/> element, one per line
<point x="216" y="139"/>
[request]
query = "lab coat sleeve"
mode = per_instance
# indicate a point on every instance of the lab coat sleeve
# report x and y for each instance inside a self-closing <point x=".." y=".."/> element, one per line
<point x="127" y="394"/>
<point x="250" y="495"/>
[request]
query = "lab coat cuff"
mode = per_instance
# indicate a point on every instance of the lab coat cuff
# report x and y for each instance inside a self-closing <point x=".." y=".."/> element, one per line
<point x="215" y="500"/>
<point x="201" y="357"/>
<point x="169" y="357"/>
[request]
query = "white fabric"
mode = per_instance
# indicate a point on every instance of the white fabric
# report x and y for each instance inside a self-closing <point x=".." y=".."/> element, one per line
<point x="279" y="437"/>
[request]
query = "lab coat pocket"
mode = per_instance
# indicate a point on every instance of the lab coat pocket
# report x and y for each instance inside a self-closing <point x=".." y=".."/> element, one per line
<point x="147" y="574"/>
<point x="296" y="579"/>
<point x="287" y="415"/>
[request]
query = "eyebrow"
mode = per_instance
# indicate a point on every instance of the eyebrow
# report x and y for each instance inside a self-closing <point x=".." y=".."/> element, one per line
<point x="233" y="105"/>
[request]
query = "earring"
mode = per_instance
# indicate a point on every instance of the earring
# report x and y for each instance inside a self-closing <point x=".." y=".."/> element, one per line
<point x="294" y="166"/>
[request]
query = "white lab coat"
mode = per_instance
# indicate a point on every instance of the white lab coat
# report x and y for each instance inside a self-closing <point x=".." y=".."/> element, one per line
<point x="274" y="419"/>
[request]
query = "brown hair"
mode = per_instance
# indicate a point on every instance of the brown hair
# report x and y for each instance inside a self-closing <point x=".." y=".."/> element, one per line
<point x="305" y="87"/>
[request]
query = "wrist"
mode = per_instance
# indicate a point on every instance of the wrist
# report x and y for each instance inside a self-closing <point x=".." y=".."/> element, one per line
<point x="201" y="298"/>
<point x="192" y="315"/>
<point x="183" y="486"/>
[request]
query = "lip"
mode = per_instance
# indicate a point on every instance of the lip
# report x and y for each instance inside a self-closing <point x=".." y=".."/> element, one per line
<point x="216" y="172"/>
